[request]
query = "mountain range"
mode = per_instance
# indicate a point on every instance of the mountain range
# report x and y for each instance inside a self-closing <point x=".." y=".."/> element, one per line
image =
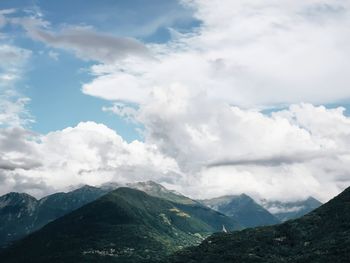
<point x="321" y="236"/>
<point x="125" y="225"/>
<point x="22" y="214"/>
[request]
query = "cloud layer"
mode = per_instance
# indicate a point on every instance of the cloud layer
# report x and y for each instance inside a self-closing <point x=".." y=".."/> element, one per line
<point x="218" y="149"/>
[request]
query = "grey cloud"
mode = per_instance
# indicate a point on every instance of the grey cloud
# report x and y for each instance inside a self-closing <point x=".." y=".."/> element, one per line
<point x="15" y="182"/>
<point x="33" y="186"/>
<point x="16" y="139"/>
<point x="19" y="163"/>
<point x="3" y="13"/>
<point x="277" y="160"/>
<point x="16" y="142"/>
<point x="85" y="42"/>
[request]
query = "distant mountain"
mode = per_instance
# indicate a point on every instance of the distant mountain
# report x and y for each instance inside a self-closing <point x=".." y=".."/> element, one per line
<point x="290" y="210"/>
<point x="125" y="225"/>
<point x="243" y="209"/>
<point x="157" y="190"/>
<point x="321" y="236"/>
<point x="21" y="214"/>
<point x="153" y="189"/>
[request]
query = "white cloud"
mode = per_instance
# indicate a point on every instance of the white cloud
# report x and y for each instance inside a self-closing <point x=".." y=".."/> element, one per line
<point x="248" y="53"/>
<point x="54" y="55"/>
<point x="13" y="111"/>
<point x="291" y="154"/>
<point x="89" y="153"/>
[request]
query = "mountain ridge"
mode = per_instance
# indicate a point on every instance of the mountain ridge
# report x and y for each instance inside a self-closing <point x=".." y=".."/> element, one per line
<point x="126" y="225"/>
<point x="321" y="236"/>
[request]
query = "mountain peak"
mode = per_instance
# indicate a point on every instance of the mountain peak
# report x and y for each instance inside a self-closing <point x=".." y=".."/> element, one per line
<point x="14" y="198"/>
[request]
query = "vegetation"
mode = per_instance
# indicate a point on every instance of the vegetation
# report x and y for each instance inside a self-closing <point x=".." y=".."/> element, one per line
<point x="22" y="214"/>
<point x="125" y="225"/>
<point x="320" y="237"/>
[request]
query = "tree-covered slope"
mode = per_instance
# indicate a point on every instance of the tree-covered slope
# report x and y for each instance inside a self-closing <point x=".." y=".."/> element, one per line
<point x="320" y="236"/>
<point x="125" y="225"/>
<point x="21" y="214"/>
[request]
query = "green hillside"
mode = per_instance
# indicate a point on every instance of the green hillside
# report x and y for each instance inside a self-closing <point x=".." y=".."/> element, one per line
<point x="125" y="225"/>
<point x="22" y="214"/>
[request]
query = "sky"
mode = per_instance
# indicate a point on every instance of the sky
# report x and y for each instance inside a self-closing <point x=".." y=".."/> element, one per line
<point x="206" y="97"/>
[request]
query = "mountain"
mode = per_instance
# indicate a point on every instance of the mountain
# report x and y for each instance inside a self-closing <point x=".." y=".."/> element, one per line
<point x="321" y="236"/>
<point x="243" y="209"/>
<point x="17" y="214"/>
<point x="126" y="225"/>
<point x="290" y="210"/>
<point x="21" y="214"/>
<point x="153" y="189"/>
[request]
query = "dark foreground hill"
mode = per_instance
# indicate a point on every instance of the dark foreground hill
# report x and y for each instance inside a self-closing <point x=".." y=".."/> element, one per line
<point x="243" y="209"/>
<point x="321" y="236"/>
<point x="125" y="225"/>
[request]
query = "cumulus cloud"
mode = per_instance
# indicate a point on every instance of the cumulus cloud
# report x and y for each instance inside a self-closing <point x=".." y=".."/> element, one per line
<point x="248" y="53"/>
<point x="89" y="153"/>
<point x="200" y="147"/>
<point x="291" y="154"/>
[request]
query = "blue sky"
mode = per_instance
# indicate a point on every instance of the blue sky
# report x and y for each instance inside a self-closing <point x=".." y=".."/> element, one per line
<point x="54" y="85"/>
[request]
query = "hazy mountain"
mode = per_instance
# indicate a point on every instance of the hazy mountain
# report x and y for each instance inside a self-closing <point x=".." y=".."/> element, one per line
<point x="243" y="209"/>
<point x="290" y="210"/>
<point x="125" y="225"/>
<point x="21" y="214"/>
<point x="320" y="236"/>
